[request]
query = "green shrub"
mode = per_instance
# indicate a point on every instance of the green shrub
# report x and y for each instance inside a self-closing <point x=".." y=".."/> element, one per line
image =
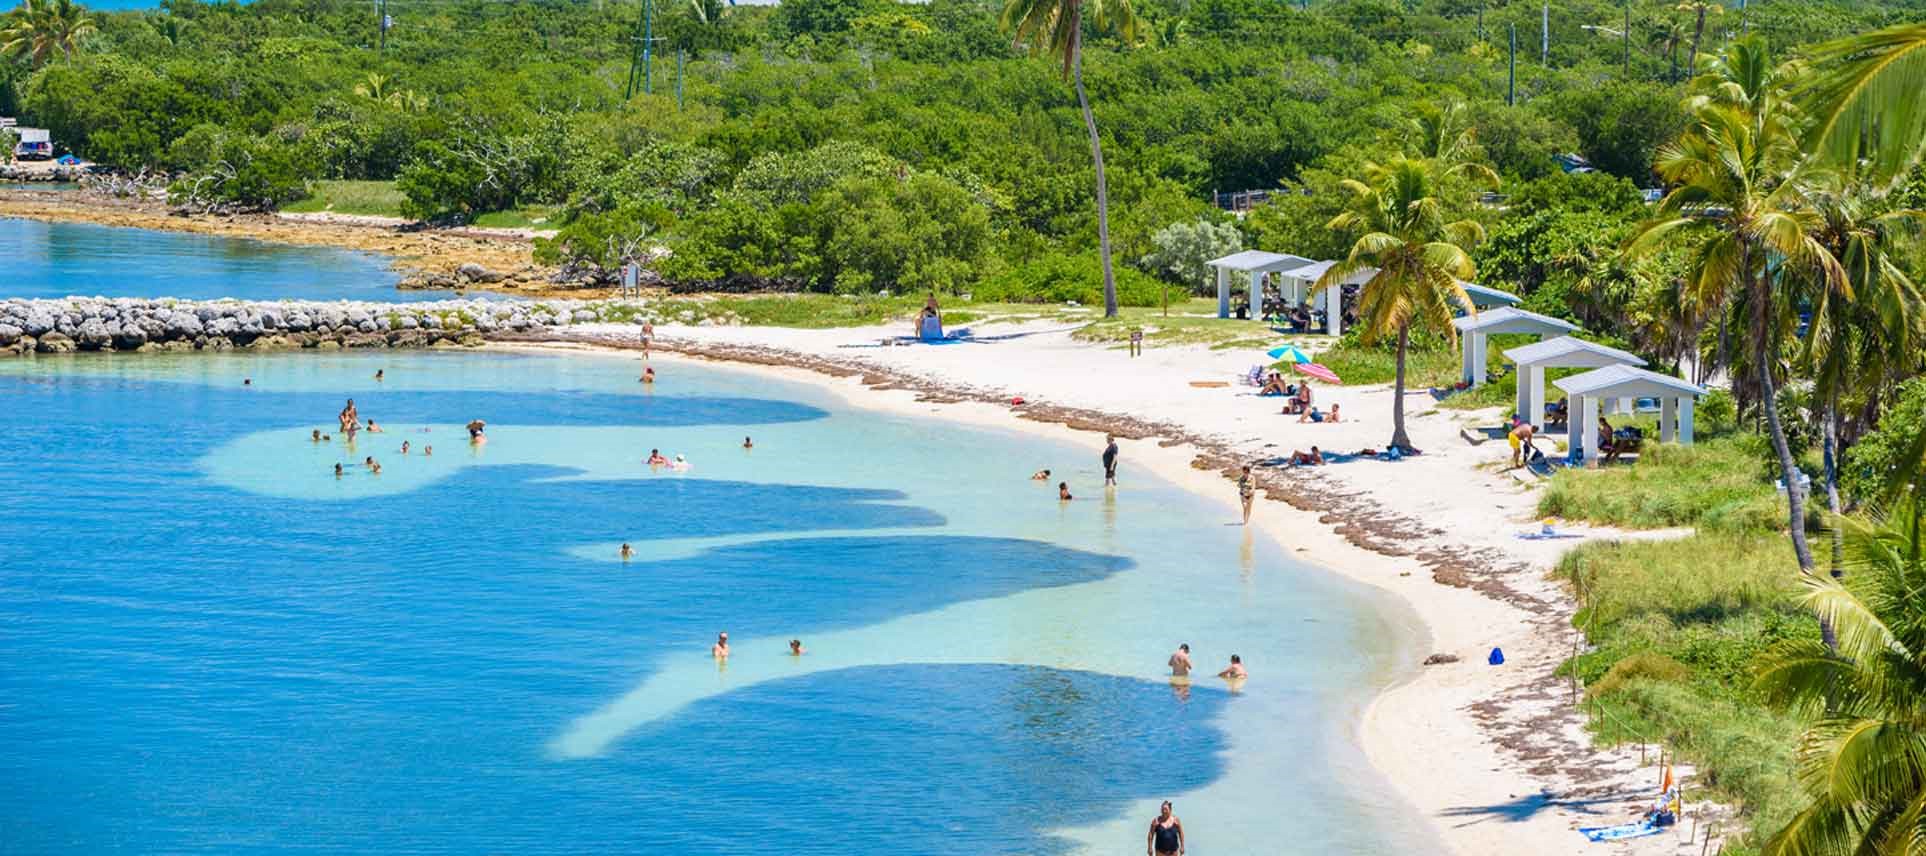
<point x="1642" y="666"/>
<point x="1058" y="278"/>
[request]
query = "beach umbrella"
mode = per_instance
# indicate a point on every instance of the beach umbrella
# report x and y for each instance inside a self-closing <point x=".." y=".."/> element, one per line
<point x="1317" y="370"/>
<point x="1290" y="352"/>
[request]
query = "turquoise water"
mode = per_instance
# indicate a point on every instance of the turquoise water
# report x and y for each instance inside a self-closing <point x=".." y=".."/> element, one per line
<point x="215" y="644"/>
<point x="87" y="260"/>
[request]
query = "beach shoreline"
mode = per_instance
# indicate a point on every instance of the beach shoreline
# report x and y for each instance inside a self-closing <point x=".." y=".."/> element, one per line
<point x="1495" y="759"/>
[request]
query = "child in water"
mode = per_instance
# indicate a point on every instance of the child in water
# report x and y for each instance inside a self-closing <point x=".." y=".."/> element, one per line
<point x="1063" y="492"/>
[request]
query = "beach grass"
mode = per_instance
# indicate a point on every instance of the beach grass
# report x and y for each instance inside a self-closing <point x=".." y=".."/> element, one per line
<point x="364" y="198"/>
<point x="1424" y="367"/>
<point x="1720" y="484"/>
<point x="530" y="217"/>
<point x="1676" y="625"/>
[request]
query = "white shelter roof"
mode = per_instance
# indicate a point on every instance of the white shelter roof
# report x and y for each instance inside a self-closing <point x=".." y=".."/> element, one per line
<point x="1626" y="382"/>
<point x="1315" y="271"/>
<point x="1259" y="260"/>
<point x="1483" y="296"/>
<point x="1571" y="352"/>
<point x="1511" y="319"/>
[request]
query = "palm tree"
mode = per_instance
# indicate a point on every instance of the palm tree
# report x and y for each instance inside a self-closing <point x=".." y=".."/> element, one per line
<point x="1055" y="27"/>
<point x="1699" y="9"/>
<point x="1449" y="138"/>
<point x="41" y="27"/>
<point x="374" y="87"/>
<point x="1737" y="188"/>
<point x="1862" y="344"/>
<point x="1665" y="38"/>
<point x="1421" y="260"/>
<point x="1864" y="102"/>
<point x="1863" y="758"/>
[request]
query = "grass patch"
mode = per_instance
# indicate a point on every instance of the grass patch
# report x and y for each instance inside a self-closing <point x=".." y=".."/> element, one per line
<point x="1424" y="366"/>
<point x="366" y="198"/>
<point x="531" y="217"/>
<point x="1720" y="484"/>
<point x="1191" y="321"/>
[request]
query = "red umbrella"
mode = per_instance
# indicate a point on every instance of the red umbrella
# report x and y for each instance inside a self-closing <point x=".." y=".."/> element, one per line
<point x="1317" y="370"/>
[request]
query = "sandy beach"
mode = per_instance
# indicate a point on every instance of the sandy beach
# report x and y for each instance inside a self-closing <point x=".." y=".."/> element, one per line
<point x="1495" y="757"/>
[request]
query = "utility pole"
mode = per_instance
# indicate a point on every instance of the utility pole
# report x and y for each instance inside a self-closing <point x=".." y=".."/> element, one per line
<point x="635" y="45"/>
<point x="1481" y="20"/>
<point x="1511" y="73"/>
<point x="1544" y="36"/>
<point x="648" y="45"/>
<point x="1627" y="73"/>
<point x="1745" y="21"/>
<point x="678" y="79"/>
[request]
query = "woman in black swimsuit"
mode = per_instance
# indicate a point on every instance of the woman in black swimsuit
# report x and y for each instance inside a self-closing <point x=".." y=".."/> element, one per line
<point x="1166" y="834"/>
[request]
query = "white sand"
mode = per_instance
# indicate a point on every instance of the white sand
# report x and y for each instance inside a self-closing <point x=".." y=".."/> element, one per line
<point x="1494" y="757"/>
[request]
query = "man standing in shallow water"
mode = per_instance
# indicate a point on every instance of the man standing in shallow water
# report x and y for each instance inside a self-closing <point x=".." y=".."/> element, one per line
<point x="1180" y="662"/>
<point x="720" y="650"/>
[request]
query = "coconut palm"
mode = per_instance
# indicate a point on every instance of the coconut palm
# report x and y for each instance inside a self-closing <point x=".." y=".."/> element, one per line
<point x="1863" y="344"/>
<point x="1865" y="104"/>
<point x="1698" y="9"/>
<point x="1055" y="27"/>
<point x="1665" y="38"/>
<point x="1450" y="139"/>
<point x="1737" y="189"/>
<point x="1863" y="758"/>
<point x="1421" y="260"/>
<point x="42" y="27"/>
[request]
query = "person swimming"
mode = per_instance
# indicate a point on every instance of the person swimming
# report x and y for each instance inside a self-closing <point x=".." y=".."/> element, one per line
<point x="379" y="373"/>
<point x="373" y="428"/>
<point x="1063" y="492"/>
<point x="427" y="450"/>
<point x="795" y="648"/>
<point x="680" y="463"/>
<point x="1040" y="475"/>
<point x="476" y="427"/>
<point x="748" y="443"/>
<point x="656" y="459"/>
<point x="648" y="374"/>
<point x="720" y="650"/>
<point x="374" y="469"/>
<point x="404" y="447"/>
<point x="337" y="470"/>
<point x="627" y="551"/>
<point x="368" y="461"/>
<point x="1180" y="661"/>
<point x="247" y="381"/>
<point x="315" y="437"/>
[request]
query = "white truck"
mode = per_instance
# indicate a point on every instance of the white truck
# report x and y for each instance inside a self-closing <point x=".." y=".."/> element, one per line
<point x="34" y="144"/>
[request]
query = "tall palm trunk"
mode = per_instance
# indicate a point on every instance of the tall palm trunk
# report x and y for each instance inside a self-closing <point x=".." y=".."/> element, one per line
<point x="1831" y="433"/>
<point x="1788" y="468"/>
<point x="1692" y="63"/>
<point x="1399" y="439"/>
<point x="1103" y="190"/>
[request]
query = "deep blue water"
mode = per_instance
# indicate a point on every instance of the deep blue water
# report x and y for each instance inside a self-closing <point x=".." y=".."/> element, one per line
<point x="84" y="259"/>
<point x="382" y="666"/>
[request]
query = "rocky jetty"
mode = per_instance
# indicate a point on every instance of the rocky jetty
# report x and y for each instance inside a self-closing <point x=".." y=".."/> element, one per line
<point x="129" y="324"/>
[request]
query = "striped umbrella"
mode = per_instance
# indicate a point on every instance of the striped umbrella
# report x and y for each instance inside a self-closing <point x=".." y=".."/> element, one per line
<point x="1317" y="370"/>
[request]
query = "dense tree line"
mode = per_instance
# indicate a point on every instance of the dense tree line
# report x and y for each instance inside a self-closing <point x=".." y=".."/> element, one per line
<point x="914" y="145"/>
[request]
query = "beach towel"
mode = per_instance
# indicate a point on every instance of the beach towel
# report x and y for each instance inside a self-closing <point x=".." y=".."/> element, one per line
<point x="1621" y="831"/>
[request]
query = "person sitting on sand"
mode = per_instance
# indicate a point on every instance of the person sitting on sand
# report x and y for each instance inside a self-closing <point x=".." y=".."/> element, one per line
<point x="1313" y="458"/>
<point x="748" y="443"/>
<point x="627" y="551"/>
<point x="1235" y="671"/>
<point x="1520" y="440"/>
<point x="720" y="650"/>
<point x="1274" y="386"/>
<point x="1311" y="415"/>
<point x="1063" y="492"/>
<point x="1333" y="415"/>
<point x="795" y="648"/>
<point x="1040" y="475"/>
<point x="656" y="459"/>
<point x="476" y="435"/>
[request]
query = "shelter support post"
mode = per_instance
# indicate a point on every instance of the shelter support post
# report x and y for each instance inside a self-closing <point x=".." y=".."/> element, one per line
<point x="1223" y="293"/>
<point x="1587" y="427"/>
<point x="1668" y="415"/>
<point x="1685" y="421"/>
<point x="1257" y="294"/>
<point x="1334" y="314"/>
